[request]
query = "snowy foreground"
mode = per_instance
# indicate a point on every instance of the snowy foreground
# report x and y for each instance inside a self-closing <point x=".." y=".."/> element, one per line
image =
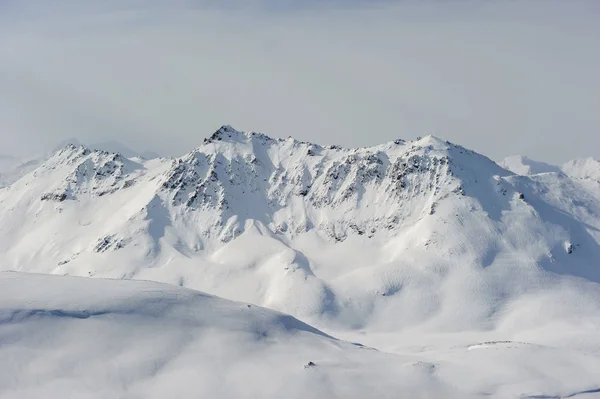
<point x="92" y="338"/>
<point x="439" y="273"/>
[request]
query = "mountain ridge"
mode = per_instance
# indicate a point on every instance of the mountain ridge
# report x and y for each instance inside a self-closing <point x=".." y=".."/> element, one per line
<point x="339" y="237"/>
<point x="194" y="179"/>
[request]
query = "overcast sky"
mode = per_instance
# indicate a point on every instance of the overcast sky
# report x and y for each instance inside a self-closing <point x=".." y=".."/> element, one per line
<point x="501" y="77"/>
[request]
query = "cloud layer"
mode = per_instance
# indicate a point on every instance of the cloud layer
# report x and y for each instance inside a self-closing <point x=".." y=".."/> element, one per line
<point x="500" y="77"/>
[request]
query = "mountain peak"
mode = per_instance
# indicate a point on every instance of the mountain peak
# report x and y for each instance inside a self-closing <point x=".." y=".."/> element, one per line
<point x="70" y="150"/>
<point x="70" y="142"/>
<point x="225" y="131"/>
<point x="433" y="141"/>
<point x="228" y="134"/>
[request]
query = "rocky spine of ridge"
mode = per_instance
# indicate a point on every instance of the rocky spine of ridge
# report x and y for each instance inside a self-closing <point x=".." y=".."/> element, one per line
<point x="284" y="184"/>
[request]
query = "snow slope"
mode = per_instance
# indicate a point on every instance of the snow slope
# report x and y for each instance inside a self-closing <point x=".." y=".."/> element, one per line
<point x="69" y="337"/>
<point x="94" y="338"/>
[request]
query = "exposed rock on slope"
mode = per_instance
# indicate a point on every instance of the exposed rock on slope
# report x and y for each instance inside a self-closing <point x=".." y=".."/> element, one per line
<point x="427" y="229"/>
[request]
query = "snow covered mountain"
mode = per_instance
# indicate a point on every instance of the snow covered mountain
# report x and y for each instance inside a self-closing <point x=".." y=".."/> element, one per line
<point x="389" y="246"/>
<point x="348" y="236"/>
<point x="12" y="169"/>
<point x="584" y="168"/>
<point x="108" y="146"/>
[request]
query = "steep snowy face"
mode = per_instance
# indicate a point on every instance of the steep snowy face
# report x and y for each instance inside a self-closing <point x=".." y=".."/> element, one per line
<point x="292" y="187"/>
<point x="354" y="237"/>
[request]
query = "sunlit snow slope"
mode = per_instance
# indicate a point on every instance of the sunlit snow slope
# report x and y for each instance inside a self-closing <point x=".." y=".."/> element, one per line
<point x="94" y="338"/>
<point x="73" y="337"/>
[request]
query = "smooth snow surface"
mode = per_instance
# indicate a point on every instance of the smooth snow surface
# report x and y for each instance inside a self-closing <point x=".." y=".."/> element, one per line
<point x="468" y="279"/>
<point x="92" y="338"/>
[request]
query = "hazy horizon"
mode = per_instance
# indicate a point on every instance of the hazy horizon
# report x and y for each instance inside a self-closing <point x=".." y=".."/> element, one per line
<point x="499" y="77"/>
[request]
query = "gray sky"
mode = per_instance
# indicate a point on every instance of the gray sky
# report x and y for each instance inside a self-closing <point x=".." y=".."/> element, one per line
<point x="501" y="77"/>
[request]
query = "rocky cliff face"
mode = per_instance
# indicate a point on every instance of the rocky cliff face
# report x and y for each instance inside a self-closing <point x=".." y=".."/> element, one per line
<point x="293" y="186"/>
<point x="287" y="185"/>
